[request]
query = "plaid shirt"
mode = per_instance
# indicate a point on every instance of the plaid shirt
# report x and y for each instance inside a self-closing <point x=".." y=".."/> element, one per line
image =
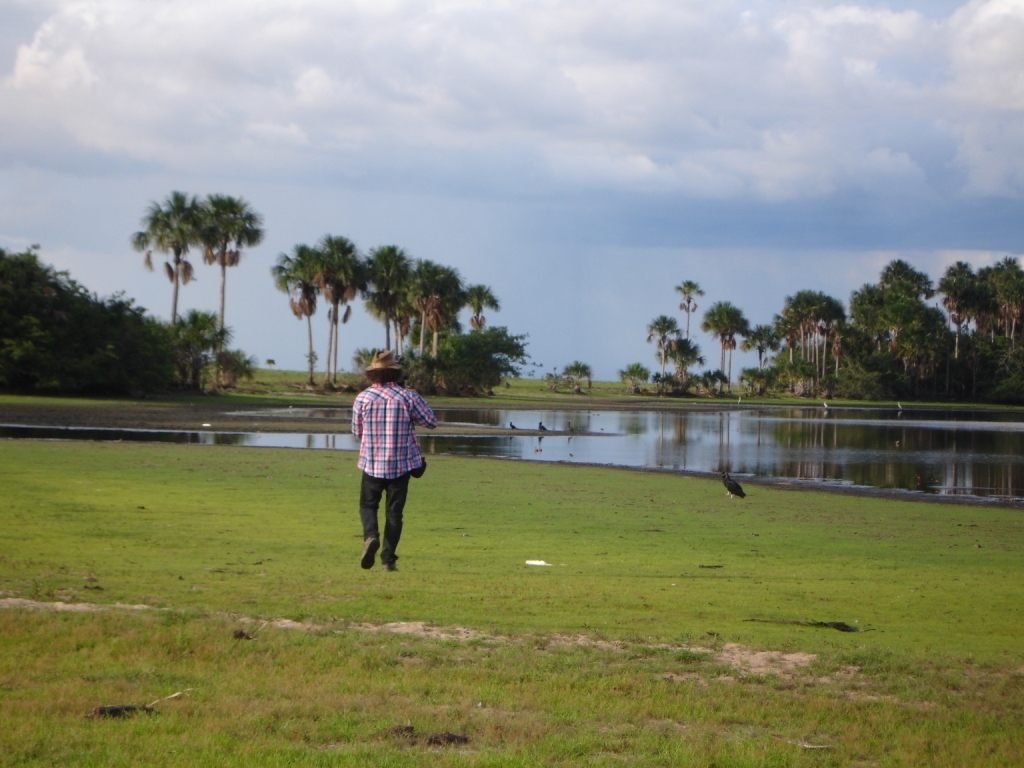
<point x="382" y="419"/>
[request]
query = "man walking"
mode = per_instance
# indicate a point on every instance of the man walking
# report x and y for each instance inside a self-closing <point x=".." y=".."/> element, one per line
<point x="383" y="418"/>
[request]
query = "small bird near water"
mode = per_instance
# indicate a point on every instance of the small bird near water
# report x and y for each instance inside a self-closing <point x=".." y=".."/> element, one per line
<point x="541" y="427"/>
<point x="512" y="426"/>
<point x="732" y="488"/>
<point x="826" y="405"/>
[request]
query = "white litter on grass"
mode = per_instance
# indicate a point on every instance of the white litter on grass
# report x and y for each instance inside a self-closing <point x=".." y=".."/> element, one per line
<point x="206" y="425"/>
<point x="537" y="562"/>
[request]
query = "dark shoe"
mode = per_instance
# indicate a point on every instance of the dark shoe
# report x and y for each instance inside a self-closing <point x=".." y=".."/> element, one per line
<point x="370" y="547"/>
<point x="389" y="567"/>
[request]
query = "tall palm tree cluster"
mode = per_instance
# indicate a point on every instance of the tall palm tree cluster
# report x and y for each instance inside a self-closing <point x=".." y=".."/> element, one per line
<point x="414" y="299"/>
<point x="894" y="340"/>
<point x="220" y="227"/>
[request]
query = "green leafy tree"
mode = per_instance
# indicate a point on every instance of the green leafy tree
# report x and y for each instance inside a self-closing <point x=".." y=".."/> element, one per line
<point x="171" y="228"/>
<point x="235" y="365"/>
<point x="298" y="276"/>
<point x="55" y="336"/>
<point x="469" y="363"/>
<point x="196" y="341"/>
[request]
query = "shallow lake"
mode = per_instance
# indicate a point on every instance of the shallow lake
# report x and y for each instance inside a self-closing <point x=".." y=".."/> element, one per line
<point x="976" y="452"/>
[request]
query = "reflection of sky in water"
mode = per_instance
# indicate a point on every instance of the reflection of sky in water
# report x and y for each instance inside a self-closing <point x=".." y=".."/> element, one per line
<point x="980" y="452"/>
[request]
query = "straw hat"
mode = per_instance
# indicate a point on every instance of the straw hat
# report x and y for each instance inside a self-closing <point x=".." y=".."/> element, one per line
<point x="382" y="361"/>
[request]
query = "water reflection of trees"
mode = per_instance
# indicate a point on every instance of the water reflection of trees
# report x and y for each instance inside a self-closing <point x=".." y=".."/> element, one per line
<point x="902" y="456"/>
<point x="469" y="416"/>
<point x="458" y="446"/>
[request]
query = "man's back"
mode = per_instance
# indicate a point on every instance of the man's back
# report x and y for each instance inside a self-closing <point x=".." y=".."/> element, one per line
<point x="382" y="418"/>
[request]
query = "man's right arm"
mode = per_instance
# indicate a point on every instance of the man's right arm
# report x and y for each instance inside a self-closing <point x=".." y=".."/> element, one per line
<point x="357" y="418"/>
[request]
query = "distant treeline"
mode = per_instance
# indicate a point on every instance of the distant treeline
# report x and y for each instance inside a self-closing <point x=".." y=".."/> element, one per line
<point x="56" y="336"/>
<point x="902" y="337"/>
<point x="896" y="341"/>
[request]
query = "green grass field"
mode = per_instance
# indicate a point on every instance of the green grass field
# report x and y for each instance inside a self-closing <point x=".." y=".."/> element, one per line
<point x="209" y="536"/>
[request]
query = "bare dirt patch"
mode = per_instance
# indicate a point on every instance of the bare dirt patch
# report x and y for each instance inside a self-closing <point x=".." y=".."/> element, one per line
<point x="420" y="629"/>
<point x="743" y="660"/>
<point x="35" y="605"/>
<point x="763" y="662"/>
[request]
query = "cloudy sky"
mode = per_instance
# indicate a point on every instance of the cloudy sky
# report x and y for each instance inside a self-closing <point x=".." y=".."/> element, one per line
<point x="582" y="157"/>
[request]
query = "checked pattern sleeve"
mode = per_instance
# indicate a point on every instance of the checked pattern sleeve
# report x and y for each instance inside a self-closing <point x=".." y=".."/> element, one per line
<point x="384" y="418"/>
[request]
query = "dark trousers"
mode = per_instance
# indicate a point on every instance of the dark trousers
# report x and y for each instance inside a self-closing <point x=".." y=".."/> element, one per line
<point x="369" y="502"/>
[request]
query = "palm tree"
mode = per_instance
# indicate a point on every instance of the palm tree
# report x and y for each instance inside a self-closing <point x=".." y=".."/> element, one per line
<point x="829" y="316"/>
<point x="479" y="297"/>
<point x="449" y="299"/>
<point x="426" y="278"/>
<point x="363" y="356"/>
<point x="402" y="321"/>
<point x="226" y="226"/>
<point x="634" y="374"/>
<point x="684" y="354"/>
<point x="297" y="275"/>
<point x="171" y="228"/>
<point x="725" y="321"/>
<point x="575" y="372"/>
<point x="866" y="310"/>
<point x="196" y="339"/>
<point x="662" y="330"/>
<point x="389" y="270"/>
<point x="688" y="290"/>
<point x="1008" y="279"/>
<point x="764" y="339"/>
<point x="958" y="286"/>
<point x="899" y="277"/>
<point x="341" y="276"/>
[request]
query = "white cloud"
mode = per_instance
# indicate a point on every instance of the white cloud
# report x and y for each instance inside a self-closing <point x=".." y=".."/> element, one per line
<point x="777" y="102"/>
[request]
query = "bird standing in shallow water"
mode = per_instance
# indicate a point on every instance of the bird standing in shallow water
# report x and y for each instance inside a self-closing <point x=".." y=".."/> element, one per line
<point x="732" y="488"/>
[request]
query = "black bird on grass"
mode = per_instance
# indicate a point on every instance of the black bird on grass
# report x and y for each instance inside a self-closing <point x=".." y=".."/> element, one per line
<point x="732" y="488"/>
